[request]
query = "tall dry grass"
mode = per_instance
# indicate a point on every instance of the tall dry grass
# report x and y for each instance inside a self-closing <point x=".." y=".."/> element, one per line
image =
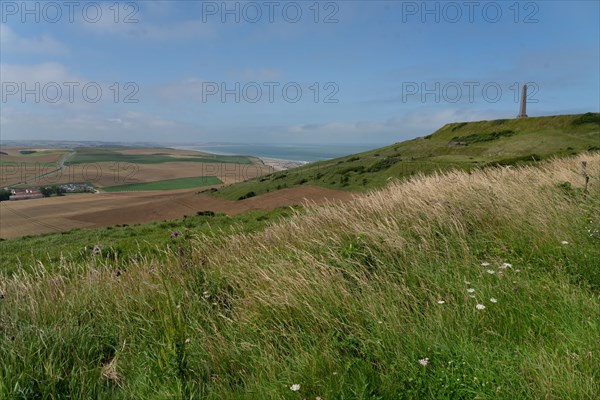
<point x="344" y="299"/>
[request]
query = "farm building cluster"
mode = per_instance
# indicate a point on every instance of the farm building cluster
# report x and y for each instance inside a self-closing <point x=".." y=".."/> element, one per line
<point x="25" y="194"/>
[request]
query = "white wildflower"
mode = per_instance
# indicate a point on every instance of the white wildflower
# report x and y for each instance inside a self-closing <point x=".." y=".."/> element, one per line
<point x="564" y="242"/>
<point x="491" y="271"/>
<point x="295" y="387"/>
<point x="424" y="361"/>
<point x="480" y="306"/>
<point x="441" y="301"/>
<point x="470" y="290"/>
<point x="493" y="300"/>
<point x="485" y="264"/>
<point x="506" y="265"/>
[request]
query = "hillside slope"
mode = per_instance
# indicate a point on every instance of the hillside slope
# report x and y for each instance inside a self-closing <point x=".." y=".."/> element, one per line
<point x="465" y="146"/>
<point x="481" y="285"/>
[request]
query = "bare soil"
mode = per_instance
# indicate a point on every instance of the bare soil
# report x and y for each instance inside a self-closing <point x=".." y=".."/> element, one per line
<point x="56" y="214"/>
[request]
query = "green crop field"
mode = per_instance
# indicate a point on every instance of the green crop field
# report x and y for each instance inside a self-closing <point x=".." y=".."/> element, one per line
<point x="93" y="155"/>
<point x="167" y="184"/>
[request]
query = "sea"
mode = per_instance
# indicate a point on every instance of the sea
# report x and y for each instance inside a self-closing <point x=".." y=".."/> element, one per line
<point x="300" y="153"/>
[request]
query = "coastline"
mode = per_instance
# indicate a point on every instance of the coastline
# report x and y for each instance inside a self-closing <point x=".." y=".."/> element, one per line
<point x="278" y="164"/>
<point x="281" y="165"/>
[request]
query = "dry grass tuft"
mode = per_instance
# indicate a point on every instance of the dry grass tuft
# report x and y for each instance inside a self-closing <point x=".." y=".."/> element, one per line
<point x="109" y="372"/>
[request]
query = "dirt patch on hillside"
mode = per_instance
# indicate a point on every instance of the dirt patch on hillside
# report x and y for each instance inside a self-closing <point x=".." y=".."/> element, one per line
<point x="58" y="214"/>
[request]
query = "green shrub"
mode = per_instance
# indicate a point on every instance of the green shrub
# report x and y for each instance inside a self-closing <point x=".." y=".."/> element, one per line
<point x="480" y="137"/>
<point x="247" y="196"/>
<point x="4" y="194"/>
<point x="458" y="126"/>
<point x="587" y="118"/>
<point x="384" y="164"/>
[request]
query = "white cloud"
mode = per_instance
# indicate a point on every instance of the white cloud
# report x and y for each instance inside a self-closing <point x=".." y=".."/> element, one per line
<point x="424" y="121"/>
<point x="193" y="29"/>
<point x="135" y="119"/>
<point x="50" y="85"/>
<point x="53" y="85"/>
<point x="11" y="42"/>
<point x="31" y="73"/>
<point x="263" y="74"/>
<point x="181" y="91"/>
<point x="122" y="127"/>
<point x="410" y="125"/>
<point x="138" y="27"/>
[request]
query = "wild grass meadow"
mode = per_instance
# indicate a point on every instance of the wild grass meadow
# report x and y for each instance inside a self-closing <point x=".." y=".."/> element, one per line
<point x="457" y="285"/>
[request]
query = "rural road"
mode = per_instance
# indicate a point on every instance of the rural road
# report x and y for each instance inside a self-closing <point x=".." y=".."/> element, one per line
<point x="61" y="167"/>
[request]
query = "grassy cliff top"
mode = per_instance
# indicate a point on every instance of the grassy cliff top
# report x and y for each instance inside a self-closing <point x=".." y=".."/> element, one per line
<point x="464" y="145"/>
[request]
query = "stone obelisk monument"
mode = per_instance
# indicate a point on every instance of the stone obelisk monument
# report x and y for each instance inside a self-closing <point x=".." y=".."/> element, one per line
<point x="523" y="109"/>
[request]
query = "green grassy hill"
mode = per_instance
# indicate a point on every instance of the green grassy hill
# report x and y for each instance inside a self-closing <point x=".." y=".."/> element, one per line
<point x="466" y="146"/>
<point x="454" y="286"/>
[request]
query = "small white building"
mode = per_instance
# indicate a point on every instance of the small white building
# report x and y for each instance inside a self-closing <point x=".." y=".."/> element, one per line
<point x="25" y="194"/>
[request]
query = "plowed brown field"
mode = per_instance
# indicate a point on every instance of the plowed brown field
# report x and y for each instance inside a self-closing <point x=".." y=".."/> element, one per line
<point x="56" y="214"/>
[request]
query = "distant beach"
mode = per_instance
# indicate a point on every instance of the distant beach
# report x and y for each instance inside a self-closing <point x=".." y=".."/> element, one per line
<point x="280" y="165"/>
<point x="280" y="155"/>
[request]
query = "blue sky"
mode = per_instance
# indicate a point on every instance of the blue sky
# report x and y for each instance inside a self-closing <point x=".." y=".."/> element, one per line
<point x="354" y="72"/>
